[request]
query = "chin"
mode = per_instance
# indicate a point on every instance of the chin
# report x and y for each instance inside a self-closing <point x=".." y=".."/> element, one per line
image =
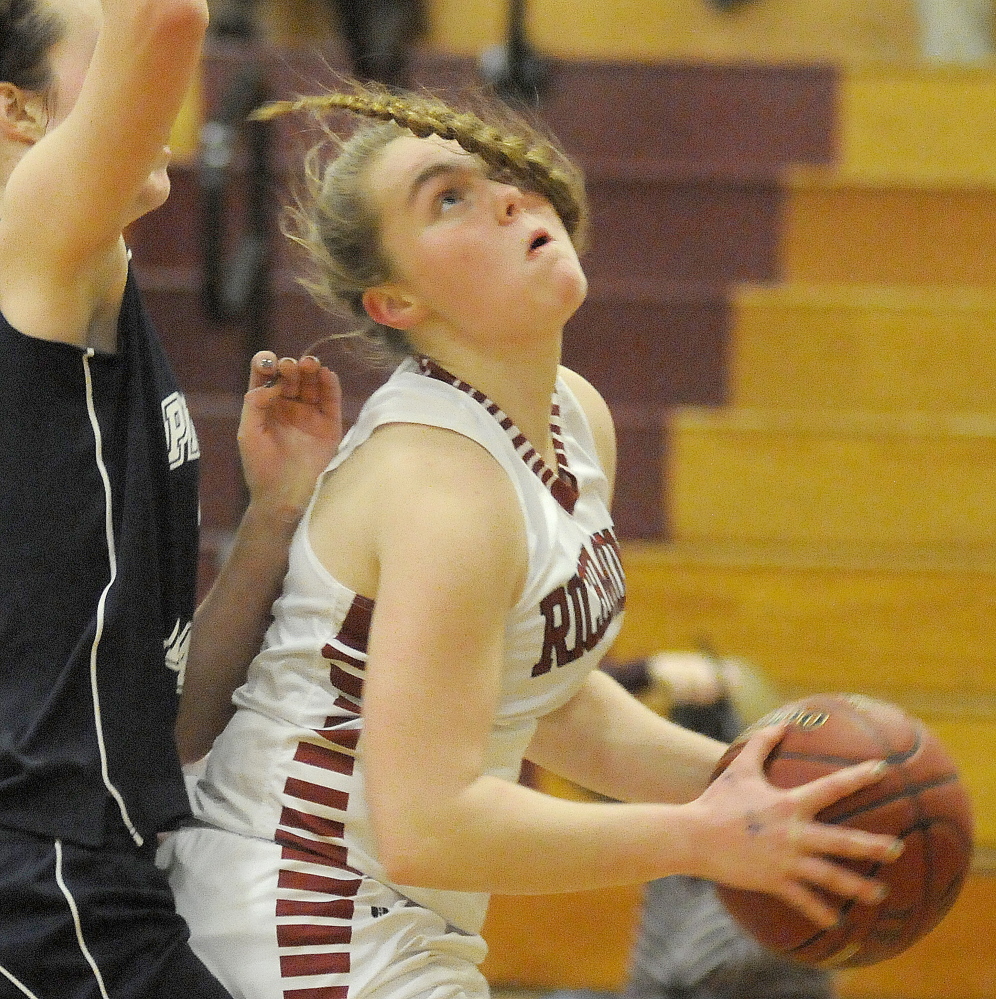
<point x="574" y="291"/>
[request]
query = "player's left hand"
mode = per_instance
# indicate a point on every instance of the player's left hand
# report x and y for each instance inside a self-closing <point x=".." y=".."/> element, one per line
<point x="290" y="428"/>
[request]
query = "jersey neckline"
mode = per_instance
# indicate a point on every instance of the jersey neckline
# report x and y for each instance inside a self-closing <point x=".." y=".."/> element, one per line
<point x="560" y="482"/>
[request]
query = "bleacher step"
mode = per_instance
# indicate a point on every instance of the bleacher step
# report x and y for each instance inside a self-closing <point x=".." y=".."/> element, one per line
<point x="860" y="347"/>
<point x="888" y="229"/>
<point x="916" y="630"/>
<point x="893" y="481"/>
<point x="776" y="31"/>
<point x="934" y="120"/>
<point x="587" y="939"/>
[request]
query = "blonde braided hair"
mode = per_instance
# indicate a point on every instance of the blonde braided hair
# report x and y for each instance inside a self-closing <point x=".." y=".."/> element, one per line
<point x="338" y="228"/>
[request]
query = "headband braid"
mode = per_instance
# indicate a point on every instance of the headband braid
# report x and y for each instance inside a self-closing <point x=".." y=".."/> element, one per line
<point x="533" y="161"/>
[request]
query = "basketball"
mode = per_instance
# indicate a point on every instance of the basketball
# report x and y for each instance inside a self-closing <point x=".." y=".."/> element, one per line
<point x="921" y="799"/>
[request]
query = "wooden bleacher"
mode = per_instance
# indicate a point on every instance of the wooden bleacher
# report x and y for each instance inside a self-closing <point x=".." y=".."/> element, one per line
<point x="764" y="30"/>
<point x="834" y="520"/>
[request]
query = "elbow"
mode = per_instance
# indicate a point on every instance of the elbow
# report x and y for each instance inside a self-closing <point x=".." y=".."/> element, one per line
<point x="410" y="859"/>
<point x="415" y="839"/>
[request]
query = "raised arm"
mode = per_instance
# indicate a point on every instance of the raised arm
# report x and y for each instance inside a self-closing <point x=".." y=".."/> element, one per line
<point x="94" y="157"/>
<point x="291" y="425"/>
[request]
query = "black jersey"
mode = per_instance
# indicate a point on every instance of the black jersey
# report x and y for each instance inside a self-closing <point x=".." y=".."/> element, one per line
<point x="98" y="558"/>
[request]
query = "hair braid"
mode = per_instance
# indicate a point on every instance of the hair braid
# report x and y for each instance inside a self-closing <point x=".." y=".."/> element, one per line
<point x="519" y="153"/>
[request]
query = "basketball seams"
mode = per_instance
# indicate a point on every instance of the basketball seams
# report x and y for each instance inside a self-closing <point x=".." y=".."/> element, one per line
<point x="909" y="791"/>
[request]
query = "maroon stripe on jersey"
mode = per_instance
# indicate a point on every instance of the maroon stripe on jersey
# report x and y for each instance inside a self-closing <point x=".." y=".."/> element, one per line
<point x="324" y="758"/>
<point x="351" y="686"/>
<point x="326" y="992"/>
<point x="334" y="853"/>
<point x="299" y="965"/>
<point x="347" y="705"/>
<point x="307" y="851"/>
<point x="345" y="737"/>
<point x="355" y="628"/>
<point x="564" y="493"/>
<point x="336" y="652"/>
<point x="312" y="935"/>
<point x="335" y="908"/>
<point x="318" y="793"/>
<point x="563" y="487"/>
<point x="302" y="881"/>
<point x="291" y="818"/>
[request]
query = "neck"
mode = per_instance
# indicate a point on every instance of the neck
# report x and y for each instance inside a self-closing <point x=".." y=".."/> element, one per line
<point x="521" y="384"/>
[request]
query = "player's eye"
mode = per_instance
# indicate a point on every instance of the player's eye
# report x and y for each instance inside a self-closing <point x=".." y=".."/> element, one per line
<point x="449" y="198"/>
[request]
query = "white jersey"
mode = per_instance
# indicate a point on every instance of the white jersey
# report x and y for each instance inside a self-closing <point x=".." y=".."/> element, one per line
<point x="289" y="766"/>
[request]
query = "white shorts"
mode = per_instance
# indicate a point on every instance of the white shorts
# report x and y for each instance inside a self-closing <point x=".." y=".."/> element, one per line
<point x="277" y="926"/>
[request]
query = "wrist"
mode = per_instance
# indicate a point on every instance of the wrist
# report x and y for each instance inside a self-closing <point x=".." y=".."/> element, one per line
<point x="688" y="833"/>
<point x="271" y="519"/>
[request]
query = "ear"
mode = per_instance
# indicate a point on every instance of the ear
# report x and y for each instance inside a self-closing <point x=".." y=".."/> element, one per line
<point x="390" y="306"/>
<point x="22" y="114"/>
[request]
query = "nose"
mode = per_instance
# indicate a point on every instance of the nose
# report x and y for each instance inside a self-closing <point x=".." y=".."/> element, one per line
<point x="508" y="201"/>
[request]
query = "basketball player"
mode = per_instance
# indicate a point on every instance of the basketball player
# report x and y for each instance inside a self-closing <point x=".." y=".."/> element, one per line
<point x="98" y="500"/>
<point x="450" y="590"/>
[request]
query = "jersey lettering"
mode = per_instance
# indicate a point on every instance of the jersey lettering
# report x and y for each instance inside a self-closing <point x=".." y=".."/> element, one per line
<point x="577" y="615"/>
<point x="181" y="437"/>
<point x="176" y="647"/>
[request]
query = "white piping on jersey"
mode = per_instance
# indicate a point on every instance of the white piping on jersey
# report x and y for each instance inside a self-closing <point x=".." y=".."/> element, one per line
<point x="17" y="983"/>
<point x="76" y="919"/>
<point x="101" y="604"/>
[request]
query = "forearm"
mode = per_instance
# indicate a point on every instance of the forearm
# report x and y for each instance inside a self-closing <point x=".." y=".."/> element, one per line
<point x="493" y="835"/>
<point x="508" y="839"/>
<point x="229" y="626"/>
<point x="290" y="427"/>
<point x="637" y="756"/>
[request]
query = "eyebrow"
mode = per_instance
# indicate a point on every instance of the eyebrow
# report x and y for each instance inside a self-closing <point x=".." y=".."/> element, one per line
<point x="430" y="173"/>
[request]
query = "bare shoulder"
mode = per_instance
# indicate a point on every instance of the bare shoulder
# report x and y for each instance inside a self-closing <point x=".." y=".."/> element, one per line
<point x="417" y="493"/>
<point x="434" y="460"/>
<point x="599" y="418"/>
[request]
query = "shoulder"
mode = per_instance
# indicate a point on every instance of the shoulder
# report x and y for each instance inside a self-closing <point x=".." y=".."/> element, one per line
<point x="420" y="460"/>
<point x="599" y="418"/>
<point x="410" y="484"/>
<point x="444" y="508"/>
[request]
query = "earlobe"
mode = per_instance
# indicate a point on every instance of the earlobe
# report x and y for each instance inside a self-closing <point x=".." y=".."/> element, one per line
<point x="390" y="307"/>
<point x="22" y="114"/>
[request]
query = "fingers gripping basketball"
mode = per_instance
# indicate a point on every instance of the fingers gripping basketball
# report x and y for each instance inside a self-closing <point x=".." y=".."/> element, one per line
<point x="920" y="799"/>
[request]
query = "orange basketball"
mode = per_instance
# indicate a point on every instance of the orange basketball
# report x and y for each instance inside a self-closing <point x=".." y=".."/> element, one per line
<point x="921" y="799"/>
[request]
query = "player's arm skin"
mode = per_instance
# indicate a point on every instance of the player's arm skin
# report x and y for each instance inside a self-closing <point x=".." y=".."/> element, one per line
<point x="290" y="427"/>
<point x="86" y="169"/>
<point x="444" y="583"/>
